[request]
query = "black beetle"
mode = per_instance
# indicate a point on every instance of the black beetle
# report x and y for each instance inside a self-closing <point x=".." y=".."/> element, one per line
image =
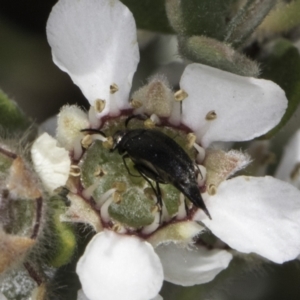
<point x="158" y="157"/>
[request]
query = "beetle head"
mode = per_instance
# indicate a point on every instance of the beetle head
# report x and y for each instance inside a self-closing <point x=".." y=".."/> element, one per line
<point x="117" y="138"/>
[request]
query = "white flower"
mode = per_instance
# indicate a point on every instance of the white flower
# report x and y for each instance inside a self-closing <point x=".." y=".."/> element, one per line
<point x="94" y="41"/>
<point x="115" y="265"/>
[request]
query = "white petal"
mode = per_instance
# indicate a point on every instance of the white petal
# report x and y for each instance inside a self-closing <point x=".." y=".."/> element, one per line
<point x="158" y="297"/>
<point x="52" y="163"/>
<point x="192" y="266"/>
<point x="245" y="107"/>
<point x="81" y="295"/>
<point x="94" y="41"/>
<point x="289" y="167"/>
<point x="119" y="267"/>
<point x="260" y="215"/>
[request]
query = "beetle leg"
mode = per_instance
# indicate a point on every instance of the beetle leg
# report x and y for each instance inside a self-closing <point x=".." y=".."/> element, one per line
<point x="159" y="200"/>
<point x="124" y="161"/>
<point x="186" y="207"/>
<point x="157" y="191"/>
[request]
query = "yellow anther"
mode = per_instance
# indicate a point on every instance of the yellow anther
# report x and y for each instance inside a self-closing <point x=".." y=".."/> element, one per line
<point x="99" y="105"/>
<point x="117" y="227"/>
<point x="211" y="115"/>
<point x="149" y="124"/>
<point x="155" y="209"/>
<point x="86" y="141"/>
<point x="117" y="197"/>
<point x="108" y="144"/>
<point x="180" y="95"/>
<point x="135" y="103"/>
<point x="149" y="193"/>
<point x="120" y="186"/>
<point x="99" y="172"/>
<point x="212" y="189"/>
<point x="113" y="88"/>
<point x="74" y="171"/>
<point x="191" y="139"/>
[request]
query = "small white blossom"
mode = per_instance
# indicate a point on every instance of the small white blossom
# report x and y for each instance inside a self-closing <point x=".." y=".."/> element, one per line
<point x="52" y="163"/>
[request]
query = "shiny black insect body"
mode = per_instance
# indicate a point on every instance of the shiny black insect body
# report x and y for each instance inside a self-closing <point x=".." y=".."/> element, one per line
<point x="160" y="158"/>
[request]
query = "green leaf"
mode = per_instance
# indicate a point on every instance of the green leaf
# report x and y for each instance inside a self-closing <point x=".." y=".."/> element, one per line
<point x="216" y="54"/>
<point x="11" y="117"/>
<point x="283" y="67"/>
<point x="150" y="14"/>
<point x="200" y="17"/>
<point x="246" y="20"/>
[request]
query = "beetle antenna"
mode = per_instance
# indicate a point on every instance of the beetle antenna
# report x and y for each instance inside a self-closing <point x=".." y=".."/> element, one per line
<point x="93" y="131"/>
<point x="139" y="117"/>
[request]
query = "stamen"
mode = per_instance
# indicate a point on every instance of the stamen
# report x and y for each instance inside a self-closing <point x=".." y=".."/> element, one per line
<point x="104" y="197"/>
<point x="117" y="227"/>
<point x="113" y="88"/>
<point x="120" y="186"/>
<point x="94" y="120"/>
<point x="105" y="217"/>
<point x="180" y="95"/>
<point x="155" y="224"/>
<point x="154" y="209"/>
<point x="149" y="193"/>
<point x="201" y="152"/>
<point x="191" y="139"/>
<point x="149" y="124"/>
<point x="74" y="171"/>
<point x="99" y="172"/>
<point x="88" y="192"/>
<point x="99" y="137"/>
<point x="71" y="186"/>
<point x="212" y="189"/>
<point x="108" y="143"/>
<point x="117" y="197"/>
<point x="155" y="119"/>
<point x="211" y="115"/>
<point x="181" y="214"/>
<point x="99" y="105"/>
<point x="135" y="103"/>
<point x="86" y="141"/>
